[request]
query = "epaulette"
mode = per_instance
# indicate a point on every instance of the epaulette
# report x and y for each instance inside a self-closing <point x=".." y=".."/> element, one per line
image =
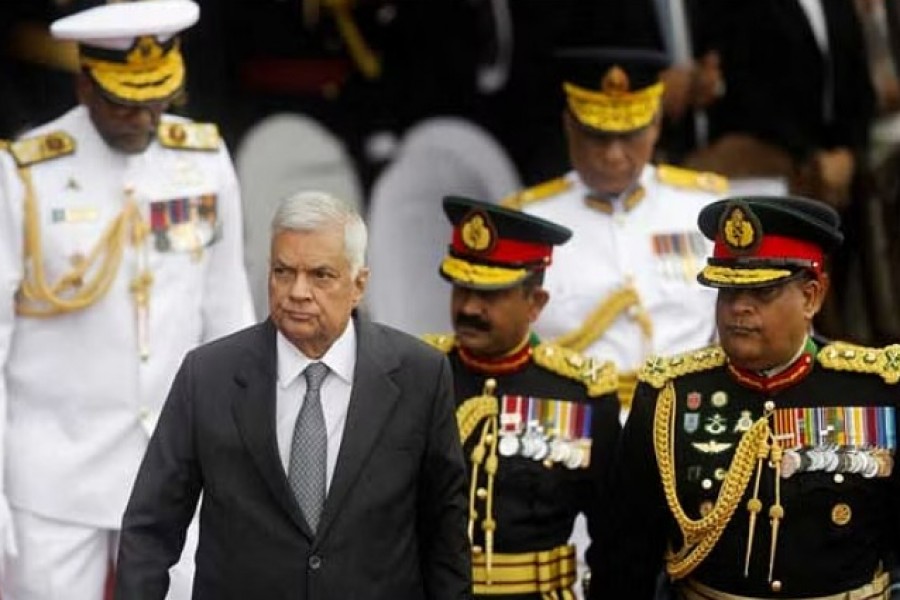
<point x="33" y="150"/>
<point x="660" y="369"/>
<point x="537" y="192"/>
<point x="841" y="356"/>
<point x="599" y="377"/>
<point x="442" y="341"/>
<point x="694" y="180"/>
<point x="189" y="136"/>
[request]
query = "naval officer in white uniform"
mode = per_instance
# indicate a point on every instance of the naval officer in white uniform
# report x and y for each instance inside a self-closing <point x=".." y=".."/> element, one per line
<point x="120" y="250"/>
<point x="625" y="286"/>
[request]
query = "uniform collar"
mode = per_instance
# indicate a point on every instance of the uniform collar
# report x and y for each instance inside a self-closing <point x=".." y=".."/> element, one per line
<point x="778" y="378"/>
<point x="625" y="202"/>
<point x="513" y="361"/>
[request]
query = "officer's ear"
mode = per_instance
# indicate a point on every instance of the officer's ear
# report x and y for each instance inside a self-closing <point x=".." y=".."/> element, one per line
<point x="814" y="290"/>
<point x="84" y="88"/>
<point x="538" y="300"/>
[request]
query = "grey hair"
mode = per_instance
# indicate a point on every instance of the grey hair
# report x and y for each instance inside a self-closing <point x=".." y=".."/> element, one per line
<point x="313" y="211"/>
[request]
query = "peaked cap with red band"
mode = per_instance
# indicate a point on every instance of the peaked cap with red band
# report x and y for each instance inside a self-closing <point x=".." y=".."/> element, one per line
<point x="766" y="240"/>
<point x="495" y="247"/>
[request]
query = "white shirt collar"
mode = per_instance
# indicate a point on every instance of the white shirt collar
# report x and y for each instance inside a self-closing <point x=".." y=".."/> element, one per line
<point x="340" y="357"/>
<point x="782" y="368"/>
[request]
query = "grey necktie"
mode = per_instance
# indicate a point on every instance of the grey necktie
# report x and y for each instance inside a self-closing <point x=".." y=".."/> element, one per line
<point x="309" y="449"/>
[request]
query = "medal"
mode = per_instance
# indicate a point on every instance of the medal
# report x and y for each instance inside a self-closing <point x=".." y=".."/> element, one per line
<point x="542" y="449"/>
<point x="790" y="463"/>
<point x="575" y="457"/>
<point x="559" y="450"/>
<point x="508" y="445"/>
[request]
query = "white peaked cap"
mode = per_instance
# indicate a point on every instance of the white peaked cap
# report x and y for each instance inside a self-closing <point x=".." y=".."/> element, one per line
<point x="115" y="26"/>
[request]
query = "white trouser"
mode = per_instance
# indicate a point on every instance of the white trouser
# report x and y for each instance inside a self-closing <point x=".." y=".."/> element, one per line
<point x="66" y="561"/>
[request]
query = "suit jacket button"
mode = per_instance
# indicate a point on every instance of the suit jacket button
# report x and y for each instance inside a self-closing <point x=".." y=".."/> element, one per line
<point x="314" y="562"/>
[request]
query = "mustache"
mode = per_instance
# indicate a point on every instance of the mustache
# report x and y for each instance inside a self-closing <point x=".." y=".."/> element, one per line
<point x="740" y="327"/>
<point x="463" y="320"/>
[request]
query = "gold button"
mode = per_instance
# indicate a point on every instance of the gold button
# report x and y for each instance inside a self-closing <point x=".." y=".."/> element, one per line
<point x="776" y="586"/>
<point x="841" y="514"/>
<point x="705" y="508"/>
<point x="769" y="405"/>
<point x="838" y="478"/>
<point x="481" y="493"/>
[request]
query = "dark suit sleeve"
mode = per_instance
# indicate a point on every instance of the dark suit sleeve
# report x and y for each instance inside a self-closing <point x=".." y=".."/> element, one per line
<point x="630" y="555"/>
<point x="443" y="540"/>
<point x="162" y="501"/>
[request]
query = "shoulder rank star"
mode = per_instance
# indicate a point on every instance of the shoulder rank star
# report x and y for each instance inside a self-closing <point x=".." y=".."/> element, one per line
<point x="711" y="447"/>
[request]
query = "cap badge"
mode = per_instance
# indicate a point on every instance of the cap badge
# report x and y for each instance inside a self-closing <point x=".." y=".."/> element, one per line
<point x="615" y="81"/>
<point x="740" y="228"/>
<point x="146" y="49"/>
<point x="478" y="232"/>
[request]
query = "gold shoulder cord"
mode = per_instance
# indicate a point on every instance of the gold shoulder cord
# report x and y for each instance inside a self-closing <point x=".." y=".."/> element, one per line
<point x="72" y="292"/>
<point x="484" y="453"/>
<point x="600" y="319"/>
<point x="701" y="536"/>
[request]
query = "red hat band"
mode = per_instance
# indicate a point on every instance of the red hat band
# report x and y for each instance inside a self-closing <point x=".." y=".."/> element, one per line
<point x="778" y="247"/>
<point x="505" y="251"/>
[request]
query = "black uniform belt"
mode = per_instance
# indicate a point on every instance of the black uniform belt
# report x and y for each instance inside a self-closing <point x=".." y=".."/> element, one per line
<point x="877" y="589"/>
<point x="524" y="573"/>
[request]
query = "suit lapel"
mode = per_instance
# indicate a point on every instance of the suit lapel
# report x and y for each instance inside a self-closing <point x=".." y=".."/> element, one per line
<point x="372" y="401"/>
<point x="254" y="413"/>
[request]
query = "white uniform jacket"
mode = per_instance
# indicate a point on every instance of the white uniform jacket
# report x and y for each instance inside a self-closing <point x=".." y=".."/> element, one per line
<point x="655" y="247"/>
<point x="80" y="401"/>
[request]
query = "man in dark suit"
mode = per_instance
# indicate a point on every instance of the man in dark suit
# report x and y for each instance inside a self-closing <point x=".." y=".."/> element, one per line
<point x="358" y="491"/>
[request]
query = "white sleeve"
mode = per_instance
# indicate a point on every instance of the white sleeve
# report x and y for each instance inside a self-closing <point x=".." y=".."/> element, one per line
<point x="11" y="264"/>
<point x="227" y="305"/>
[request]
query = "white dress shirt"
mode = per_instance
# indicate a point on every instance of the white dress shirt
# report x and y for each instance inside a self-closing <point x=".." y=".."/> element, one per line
<point x="334" y="394"/>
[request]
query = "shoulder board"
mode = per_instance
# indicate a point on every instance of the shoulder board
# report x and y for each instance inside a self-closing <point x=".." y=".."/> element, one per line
<point x="189" y="136"/>
<point x="599" y="377"/>
<point x="536" y="193"/>
<point x="660" y="369"/>
<point x="442" y="341"/>
<point x="841" y="356"/>
<point x="33" y="150"/>
<point x="695" y="180"/>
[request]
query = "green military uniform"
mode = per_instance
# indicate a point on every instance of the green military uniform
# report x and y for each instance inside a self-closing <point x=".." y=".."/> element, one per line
<point x="541" y="483"/>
